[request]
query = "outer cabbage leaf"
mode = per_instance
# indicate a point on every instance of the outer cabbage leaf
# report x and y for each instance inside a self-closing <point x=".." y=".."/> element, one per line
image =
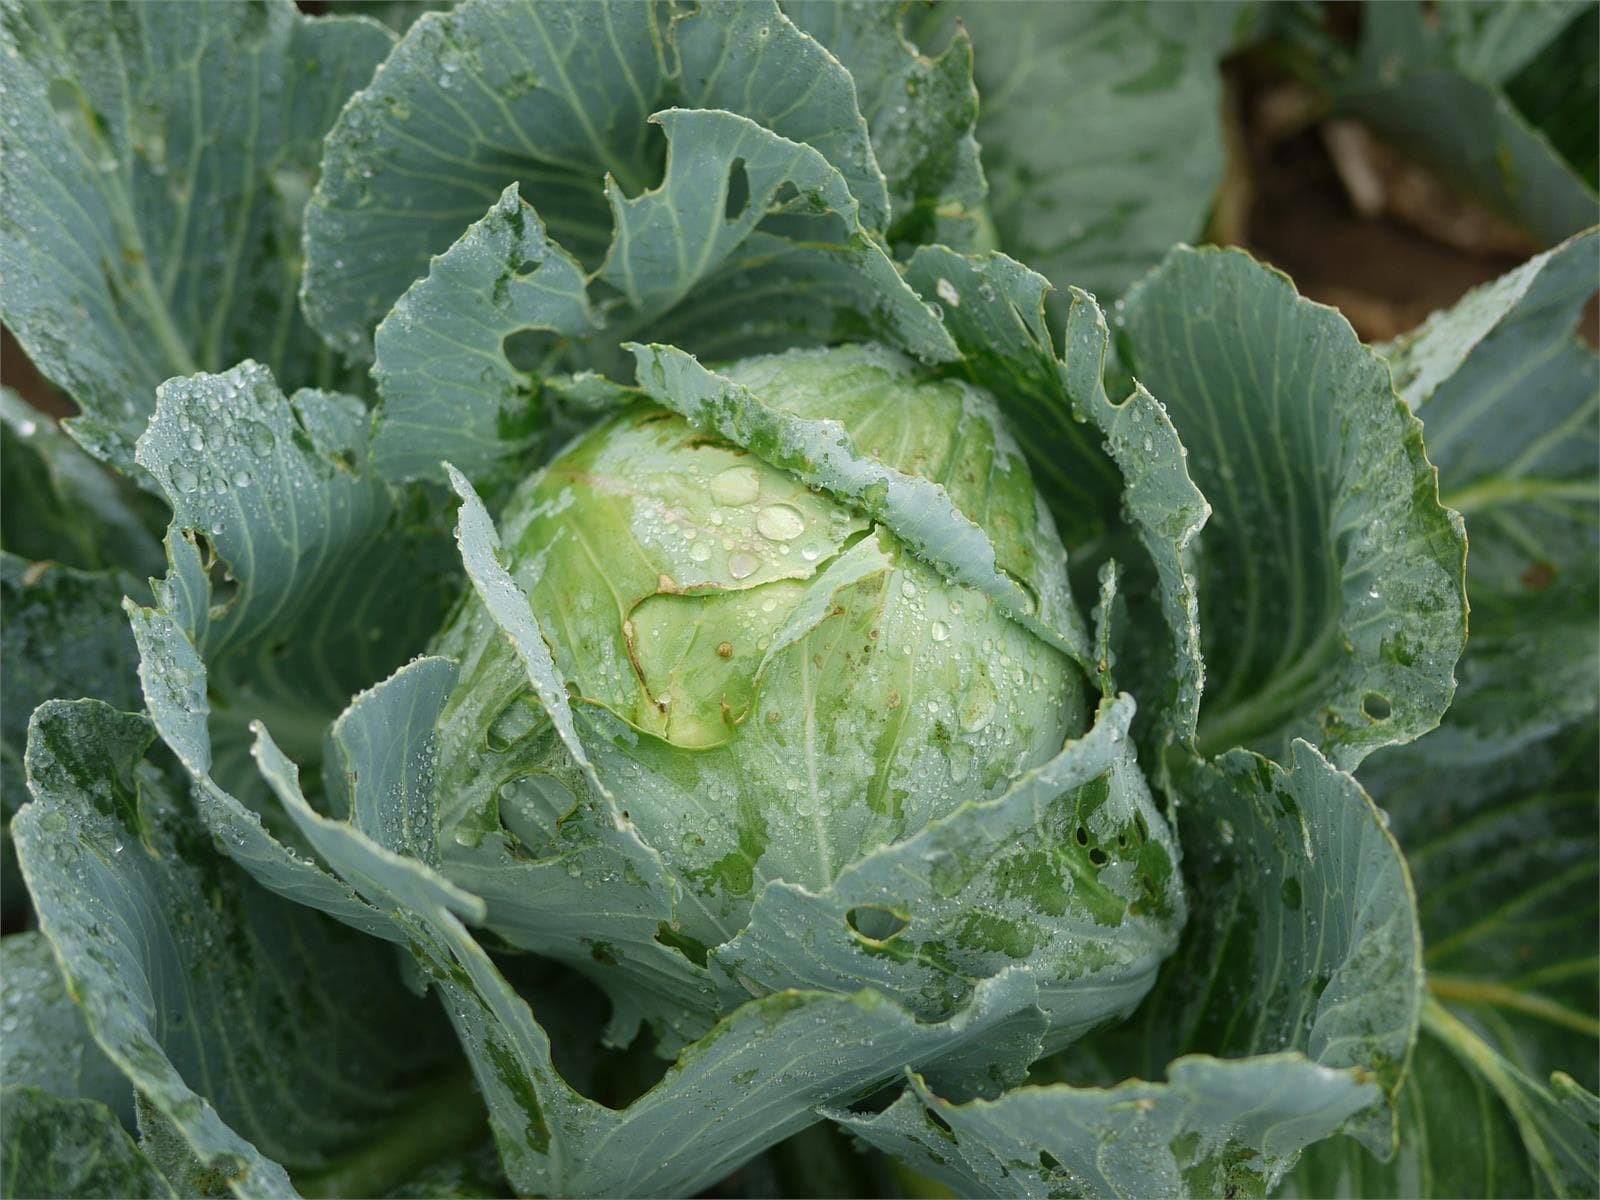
<point x="1292" y="1002"/>
<point x="57" y="503"/>
<point x="160" y="158"/>
<point x="1113" y="473"/>
<point x="47" y="1045"/>
<point x="450" y="388"/>
<point x="921" y="110"/>
<point x="1496" y="807"/>
<point x="61" y="1147"/>
<point x="555" y="97"/>
<point x="1510" y="399"/>
<point x="1330" y="579"/>
<point x="294" y="578"/>
<point x="277" y="1034"/>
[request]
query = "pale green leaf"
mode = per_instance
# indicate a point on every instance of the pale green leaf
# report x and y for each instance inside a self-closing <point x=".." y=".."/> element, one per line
<point x="159" y="158"/>
<point x="1329" y="576"/>
<point x="819" y="453"/>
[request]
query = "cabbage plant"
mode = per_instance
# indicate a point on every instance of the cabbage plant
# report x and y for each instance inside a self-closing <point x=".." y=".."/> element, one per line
<point x="671" y="659"/>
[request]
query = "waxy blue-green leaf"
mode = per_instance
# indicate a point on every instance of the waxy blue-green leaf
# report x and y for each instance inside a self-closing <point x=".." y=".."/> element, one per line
<point x="261" y="1054"/>
<point x="1492" y="42"/>
<point x="1434" y="92"/>
<point x="1101" y="465"/>
<point x="65" y="637"/>
<point x="1214" y="1128"/>
<point x="59" y="1147"/>
<point x="322" y="584"/>
<point x="494" y="93"/>
<point x="449" y="390"/>
<point x="1330" y="579"/>
<point x="1529" y="1138"/>
<point x="159" y="160"/>
<point x="1286" y="1015"/>
<point x="1079" y="101"/>
<point x="444" y="362"/>
<point x="1509" y="398"/>
<point x="1495" y="808"/>
<point x="47" y="1045"/>
<point x="921" y="110"/>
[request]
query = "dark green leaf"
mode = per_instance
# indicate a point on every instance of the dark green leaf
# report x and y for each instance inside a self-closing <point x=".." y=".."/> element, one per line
<point x="71" y="1150"/>
<point x="60" y="505"/>
<point x="46" y="1044"/>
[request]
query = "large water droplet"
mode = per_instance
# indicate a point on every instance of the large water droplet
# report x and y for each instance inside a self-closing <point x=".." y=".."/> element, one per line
<point x="939" y="630"/>
<point x="736" y="486"/>
<point x="184" y="479"/>
<point x="780" y="523"/>
<point x="259" y="437"/>
<point x="742" y="565"/>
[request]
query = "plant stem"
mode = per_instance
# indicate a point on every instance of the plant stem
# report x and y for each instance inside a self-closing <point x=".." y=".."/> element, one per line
<point x="449" y="1118"/>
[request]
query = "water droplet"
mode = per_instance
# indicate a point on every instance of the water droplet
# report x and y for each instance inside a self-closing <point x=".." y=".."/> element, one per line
<point x="780" y="523"/>
<point x="259" y="437"/>
<point x="743" y="565"/>
<point x="736" y="486"/>
<point x="947" y="293"/>
<point x="241" y="478"/>
<point x="908" y="589"/>
<point x="699" y="552"/>
<point x="196" y="442"/>
<point x="184" y="479"/>
<point x="939" y="630"/>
